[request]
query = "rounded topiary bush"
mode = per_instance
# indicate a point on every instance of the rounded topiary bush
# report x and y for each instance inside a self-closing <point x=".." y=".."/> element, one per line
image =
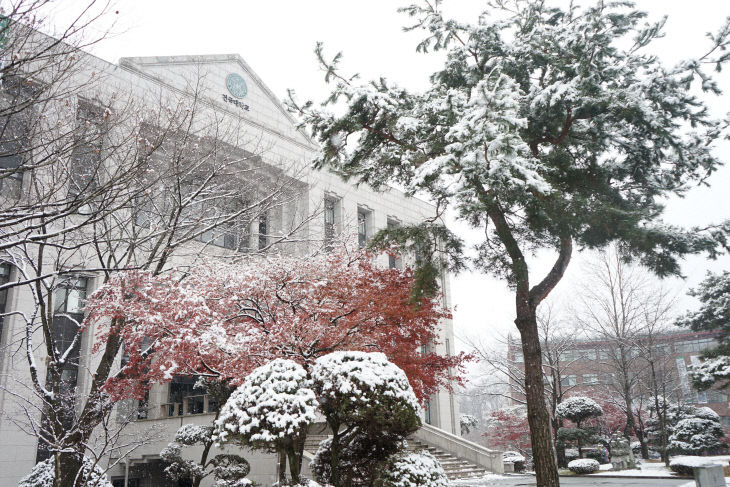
<point x="584" y="466"/>
<point x="418" y="469"/>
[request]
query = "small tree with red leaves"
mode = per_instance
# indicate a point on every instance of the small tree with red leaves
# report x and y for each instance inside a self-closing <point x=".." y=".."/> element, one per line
<point x="508" y="429"/>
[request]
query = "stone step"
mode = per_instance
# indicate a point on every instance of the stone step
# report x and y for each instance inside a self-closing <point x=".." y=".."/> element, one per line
<point x="454" y="467"/>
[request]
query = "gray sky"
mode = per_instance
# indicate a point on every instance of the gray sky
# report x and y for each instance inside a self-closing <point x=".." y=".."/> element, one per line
<point x="276" y="38"/>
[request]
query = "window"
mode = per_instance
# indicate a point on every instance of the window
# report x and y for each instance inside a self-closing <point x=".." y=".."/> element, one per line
<point x="70" y="297"/>
<point x="519" y="358"/>
<point x="394" y="261"/>
<point x="568" y="355"/>
<point x="568" y="381"/>
<point x="362" y="227"/>
<point x="14" y="135"/>
<point x="714" y="396"/>
<point x="13" y="138"/>
<point x="184" y="398"/>
<point x="590" y="379"/>
<point x="86" y="160"/>
<point x="602" y="354"/>
<point x="4" y="279"/>
<point x="330" y="215"/>
<point x="427" y="412"/>
<point x="263" y="231"/>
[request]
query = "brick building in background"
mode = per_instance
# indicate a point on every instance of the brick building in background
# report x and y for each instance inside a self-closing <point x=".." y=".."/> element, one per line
<point x="585" y="368"/>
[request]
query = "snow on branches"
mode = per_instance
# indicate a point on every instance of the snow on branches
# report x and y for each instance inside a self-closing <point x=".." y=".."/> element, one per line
<point x="417" y="469"/>
<point x="273" y="405"/>
<point x="224" y="320"/>
<point x="713" y="315"/>
<point x="467" y="423"/>
<point x="43" y="474"/>
<point x="578" y="409"/>
<point x="362" y="380"/>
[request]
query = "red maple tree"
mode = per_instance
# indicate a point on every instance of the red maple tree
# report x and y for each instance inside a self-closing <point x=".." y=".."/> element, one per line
<point x="508" y="429"/>
<point x="223" y="320"/>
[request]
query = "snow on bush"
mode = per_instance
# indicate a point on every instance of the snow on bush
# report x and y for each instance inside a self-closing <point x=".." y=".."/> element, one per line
<point x="686" y="465"/>
<point x="468" y="423"/>
<point x="357" y="375"/>
<point x="419" y="469"/>
<point x="584" y="465"/>
<point x="273" y="404"/>
<point x="578" y="408"/>
<point x="43" y="475"/>
<point x="512" y="456"/>
<point x="696" y="435"/>
<point x="228" y="470"/>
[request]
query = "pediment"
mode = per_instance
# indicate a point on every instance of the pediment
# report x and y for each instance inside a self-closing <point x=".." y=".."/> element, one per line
<point x="227" y="81"/>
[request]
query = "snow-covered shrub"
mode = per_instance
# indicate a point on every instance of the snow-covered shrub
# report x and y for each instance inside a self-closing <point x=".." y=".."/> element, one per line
<point x="516" y="459"/>
<point x="358" y="458"/>
<point x="584" y="466"/>
<point x="372" y="397"/>
<point x="468" y="423"/>
<point x="685" y="465"/>
<point x="228" y="470"/>
<point x="696" y="435"/>
<point x="43" y="475"/>
<point x="578" y="408"/>
<point x="359" y="384"/>
<point x="270" y="411"/>
<point x="418" y="469"/>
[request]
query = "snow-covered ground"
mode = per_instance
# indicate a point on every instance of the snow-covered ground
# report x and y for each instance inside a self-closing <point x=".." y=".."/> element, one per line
<point x="488" y="480"/>
<point x="646" y="469"/>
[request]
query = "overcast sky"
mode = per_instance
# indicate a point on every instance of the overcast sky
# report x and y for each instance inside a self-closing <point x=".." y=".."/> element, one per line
<point x="276" y="38"/>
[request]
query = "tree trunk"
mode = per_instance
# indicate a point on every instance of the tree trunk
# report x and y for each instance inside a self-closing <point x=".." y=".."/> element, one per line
<point x="68" y="467"/>
<point x="642" y="441"/>
<point x="282" y="468"/>
<point x="293" y="464"/>
<point x="537" y="413"/>
<point x="335" y="454"/>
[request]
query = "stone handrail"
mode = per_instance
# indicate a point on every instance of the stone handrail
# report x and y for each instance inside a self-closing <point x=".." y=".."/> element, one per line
<point x="458" y="446"/>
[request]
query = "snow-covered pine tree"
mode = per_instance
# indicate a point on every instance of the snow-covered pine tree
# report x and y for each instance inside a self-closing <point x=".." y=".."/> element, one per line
<point x="547" y="128"/>
<point x="696" y="435"/>
<point x="714" y="314"/>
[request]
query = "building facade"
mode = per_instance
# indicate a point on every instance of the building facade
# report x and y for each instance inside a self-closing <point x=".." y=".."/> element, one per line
<point x="319" y="209"/>
<point x="587" y="367"/>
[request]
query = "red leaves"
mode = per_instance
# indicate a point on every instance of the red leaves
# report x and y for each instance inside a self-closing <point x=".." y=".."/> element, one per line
<point x="508" y="429"/>
<point x="224" y="320"/>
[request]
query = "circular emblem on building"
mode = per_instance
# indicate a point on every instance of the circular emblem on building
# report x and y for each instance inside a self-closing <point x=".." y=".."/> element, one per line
<point x="236" y="85"/>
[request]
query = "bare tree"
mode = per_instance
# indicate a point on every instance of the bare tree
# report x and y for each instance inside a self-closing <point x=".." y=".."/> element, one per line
<point x="505" y="365"/>
<point x="623" y="308"/>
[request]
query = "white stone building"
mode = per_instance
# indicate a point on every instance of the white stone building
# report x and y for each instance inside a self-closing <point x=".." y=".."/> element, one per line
<point x="229" y="89"/>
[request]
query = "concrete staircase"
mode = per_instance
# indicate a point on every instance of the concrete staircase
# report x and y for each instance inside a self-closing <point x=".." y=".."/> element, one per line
<point x="455" y="467"/>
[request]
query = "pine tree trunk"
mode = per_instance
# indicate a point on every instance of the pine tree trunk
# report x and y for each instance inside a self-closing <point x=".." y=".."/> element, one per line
<point x="537" y="413"/>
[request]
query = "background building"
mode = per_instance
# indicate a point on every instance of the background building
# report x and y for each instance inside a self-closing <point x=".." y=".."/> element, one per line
<point x="586" y="368"/>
